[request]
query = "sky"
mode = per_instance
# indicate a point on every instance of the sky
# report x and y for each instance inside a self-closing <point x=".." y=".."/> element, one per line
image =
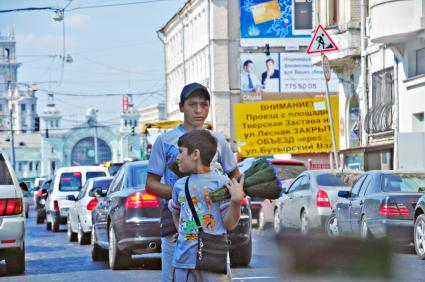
<point x="113" y="50"/>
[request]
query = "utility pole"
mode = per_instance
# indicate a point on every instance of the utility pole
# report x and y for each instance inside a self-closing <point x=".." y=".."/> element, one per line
<point x="12" y="141"/>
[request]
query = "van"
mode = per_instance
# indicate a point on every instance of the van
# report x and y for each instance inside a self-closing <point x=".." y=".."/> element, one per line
<point x="67" y="181"/>
<point x="12" y="219"/>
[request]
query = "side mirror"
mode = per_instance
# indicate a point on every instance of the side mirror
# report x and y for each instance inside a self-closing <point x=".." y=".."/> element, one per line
<point x="23" y="186"/>
<point x="71" y="198"/>
<point x="344" y="194"/>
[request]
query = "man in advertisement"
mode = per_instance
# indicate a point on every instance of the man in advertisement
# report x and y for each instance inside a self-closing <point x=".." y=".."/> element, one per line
<point x="270" y="78"/>
<point x="249" y="81"/>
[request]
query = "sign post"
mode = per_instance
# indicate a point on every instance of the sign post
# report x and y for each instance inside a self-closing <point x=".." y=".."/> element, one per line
<point x="321" y="42"/>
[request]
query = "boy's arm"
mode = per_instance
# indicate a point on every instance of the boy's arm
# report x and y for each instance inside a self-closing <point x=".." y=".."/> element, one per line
<point x="176" y="218"/>
<point x="154" y="186"/>
<point x="231" y="218"/>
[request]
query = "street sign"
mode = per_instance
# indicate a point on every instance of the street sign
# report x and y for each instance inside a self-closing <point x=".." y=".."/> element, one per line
<point x="326" y="68"/>
<point x="321" y="42"/>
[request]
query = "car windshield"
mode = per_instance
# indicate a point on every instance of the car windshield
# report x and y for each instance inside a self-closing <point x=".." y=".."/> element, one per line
<point x="403" y="183"/>
<point x="103" y="184"/>
<point x="92" y="174"/>
<point x="70" y="181"/>
<point x="138" y="176"/>
<point x="329" y="179"/>
<point x="5" y="176"/>
<point x="287" y="171"/>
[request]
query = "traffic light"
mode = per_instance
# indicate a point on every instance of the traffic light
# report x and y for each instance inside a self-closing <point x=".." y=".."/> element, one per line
<point x="37" y="124"/>
<point x="133" y="129"/>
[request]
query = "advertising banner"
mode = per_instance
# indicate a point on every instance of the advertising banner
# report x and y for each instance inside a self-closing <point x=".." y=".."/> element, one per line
<point x="290" y="72"/>
<point x="276" y="22"/>
<point x="294" y="126"/>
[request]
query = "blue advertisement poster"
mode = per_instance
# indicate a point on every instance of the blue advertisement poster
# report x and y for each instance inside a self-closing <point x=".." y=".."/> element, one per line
<point x="276" y="22"/>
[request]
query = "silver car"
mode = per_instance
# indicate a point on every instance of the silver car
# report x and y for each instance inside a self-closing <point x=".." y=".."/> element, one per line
<point x="79" y="217"/>
<point x="12" y="220"/>
<point x="308" y="202"/>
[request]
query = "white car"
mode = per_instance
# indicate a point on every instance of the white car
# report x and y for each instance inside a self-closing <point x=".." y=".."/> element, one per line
<point x="79" y="216"/>
<point x="12" y="220"/>
<point x="67" y="181"/>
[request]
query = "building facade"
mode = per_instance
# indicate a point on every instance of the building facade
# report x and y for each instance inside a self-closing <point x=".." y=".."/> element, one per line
<point x="381" y="67"/>
<point x="199" y="46"/>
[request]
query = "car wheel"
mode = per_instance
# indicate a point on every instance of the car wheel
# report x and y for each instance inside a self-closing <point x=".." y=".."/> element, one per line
<point x="48" y="226"/>
<point x="72" y="236"/>
<point x="364" y="229"/>
<point x="241" y="256"/>
<point x="277" y="224"/>
<point x="117" y="259"/>
<point x="97" y="253"/>
<point x="419" y="236"/>
<point x="83" y="238"/>
<point x="55" y="226"/>
<point x="332" y="226"/>
<point x="304" y="223"/>
<point x="15" y="262"/>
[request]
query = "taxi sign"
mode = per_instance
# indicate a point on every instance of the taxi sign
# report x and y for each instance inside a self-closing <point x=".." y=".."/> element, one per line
<point x="321" y="42"/>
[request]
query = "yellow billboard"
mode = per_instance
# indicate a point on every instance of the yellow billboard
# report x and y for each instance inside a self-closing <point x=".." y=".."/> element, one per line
<point x="267" y="11"/>
<point x="294" y="126"/>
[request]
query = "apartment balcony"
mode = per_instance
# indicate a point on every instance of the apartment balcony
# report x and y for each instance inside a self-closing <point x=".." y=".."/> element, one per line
<point x="395" y="21"/>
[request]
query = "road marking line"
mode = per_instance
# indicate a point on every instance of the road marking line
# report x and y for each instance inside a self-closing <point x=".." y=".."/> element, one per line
<point x="253" y="277"/>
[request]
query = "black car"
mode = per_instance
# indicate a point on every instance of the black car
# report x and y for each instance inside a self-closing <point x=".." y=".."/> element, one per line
<point x="126" y="219"/>
<point x="419" y="230"/>
<point x="380" y="204"/>
<point x="40" y="200"/>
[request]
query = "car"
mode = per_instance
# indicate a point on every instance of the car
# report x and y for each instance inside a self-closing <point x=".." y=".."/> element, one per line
<point x="79" y="222"/>
<point x="308" y="201"/>
<point x="271" y="208"/>
<point x="12" y="218"/>
<point x="67" y="181"/>
<point x="28" y="198"/>
<point x="40" y="196"/>
<point x="419" y="228"/>
<point x="381" y="205"/>
<point x="126" y="220"/>
<point x="286" y="169"/>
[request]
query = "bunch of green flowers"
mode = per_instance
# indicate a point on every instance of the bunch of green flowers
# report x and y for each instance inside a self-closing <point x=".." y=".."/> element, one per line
<point x="261" y="181"/>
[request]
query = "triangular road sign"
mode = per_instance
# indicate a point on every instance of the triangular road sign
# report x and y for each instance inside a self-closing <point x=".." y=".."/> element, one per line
<point x="321" y="42"/>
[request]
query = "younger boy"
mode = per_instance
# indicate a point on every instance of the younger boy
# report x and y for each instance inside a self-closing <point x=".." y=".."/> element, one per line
<point x="197" y="149"/>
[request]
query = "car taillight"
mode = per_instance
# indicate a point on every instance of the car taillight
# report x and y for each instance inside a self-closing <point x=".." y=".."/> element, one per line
<point x="92" y="204"/>
<point x="40" y="194"/>
<point x="244" y="201"/>
<point x="55" y="205"/>
<point x="10" y="206"/>
<point x="322" y="199"/>
<point x="141" y="200"/>
<point x="394" y="210"/>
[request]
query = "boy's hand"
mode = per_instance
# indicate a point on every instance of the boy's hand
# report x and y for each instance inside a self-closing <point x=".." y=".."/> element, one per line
<point x="236" y="190"/>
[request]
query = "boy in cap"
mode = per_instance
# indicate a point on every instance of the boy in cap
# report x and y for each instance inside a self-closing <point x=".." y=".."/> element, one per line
<point x="194" y="104"/>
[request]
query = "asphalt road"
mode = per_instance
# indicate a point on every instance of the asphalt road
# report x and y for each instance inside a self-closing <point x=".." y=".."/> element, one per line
<point x="50" y="257"/>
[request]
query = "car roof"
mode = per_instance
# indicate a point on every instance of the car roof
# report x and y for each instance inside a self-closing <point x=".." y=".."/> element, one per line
<point x="291" y="161"/>
<point x="100" y="178"/>
<point x="407" y="172"/>
<point x="81" y="168"/>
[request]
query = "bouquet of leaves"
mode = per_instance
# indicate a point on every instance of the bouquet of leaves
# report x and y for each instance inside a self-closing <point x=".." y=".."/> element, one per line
<point x="261" y="181"/>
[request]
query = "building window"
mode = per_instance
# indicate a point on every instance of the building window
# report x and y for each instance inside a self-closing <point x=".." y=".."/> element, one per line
<point x="51" y="123"/>
<point x="418" y="124"/>
<point x="37" y="166"/>
<point x="19" y="166"/>
<point x="30" y="166"/>
<point x="57" y="123"/>
<point x="420" y="61"/>
<point x="23" y="107"/>
<point x="125" y="123"/>
<point x="1" y="108"/>
<point x="33" y="108"/>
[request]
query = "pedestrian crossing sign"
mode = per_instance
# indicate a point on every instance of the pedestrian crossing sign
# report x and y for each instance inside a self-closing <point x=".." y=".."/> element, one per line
<point x="321" y="42"/>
